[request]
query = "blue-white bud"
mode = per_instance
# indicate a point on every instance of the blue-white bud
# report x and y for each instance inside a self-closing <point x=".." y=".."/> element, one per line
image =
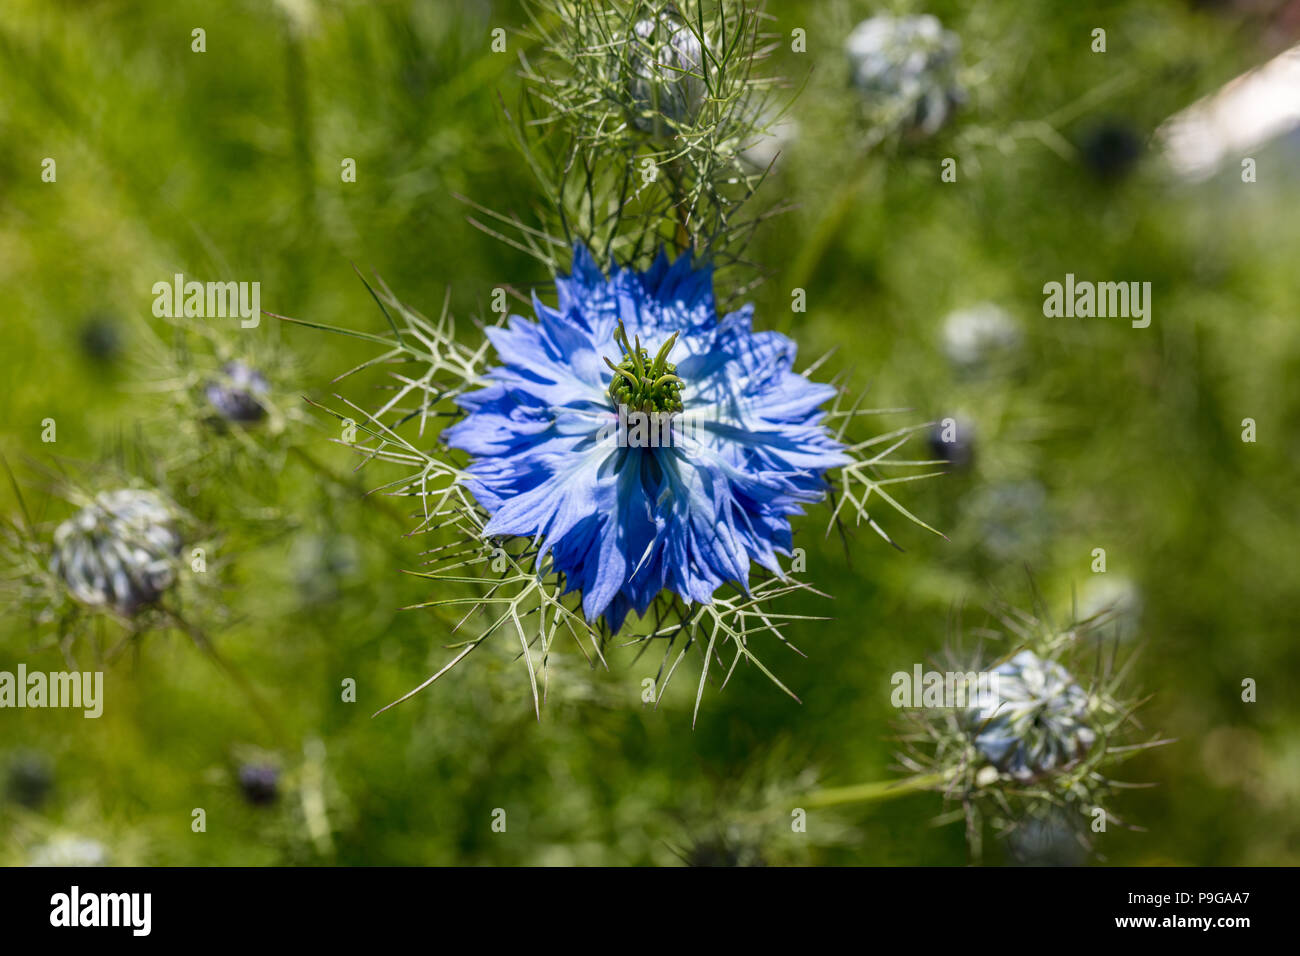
<point x="118" y="552"/>
<point x="667" y="73"/>
<point x="908" y="65"/>
<point x="1039" y="724"/>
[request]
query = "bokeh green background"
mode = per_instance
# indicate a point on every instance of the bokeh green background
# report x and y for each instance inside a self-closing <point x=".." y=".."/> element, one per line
<point x="225" y="164"/>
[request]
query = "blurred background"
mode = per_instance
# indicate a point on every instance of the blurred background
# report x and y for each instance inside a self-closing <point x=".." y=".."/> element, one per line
<point x="1077" y="434"/>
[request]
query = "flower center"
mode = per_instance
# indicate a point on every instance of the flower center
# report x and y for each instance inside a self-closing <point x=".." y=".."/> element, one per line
<point x="642" y="384"/>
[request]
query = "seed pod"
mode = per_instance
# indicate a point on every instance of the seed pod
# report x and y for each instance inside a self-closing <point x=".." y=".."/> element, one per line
<point x="118" y="552"/>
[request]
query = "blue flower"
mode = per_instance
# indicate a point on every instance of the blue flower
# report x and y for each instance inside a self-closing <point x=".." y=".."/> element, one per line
<point x="743" y="448"/>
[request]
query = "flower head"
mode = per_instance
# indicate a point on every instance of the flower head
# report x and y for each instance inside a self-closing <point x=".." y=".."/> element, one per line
<point x="745" y="446"/>
<point x="666" y="70"/>
<point x="1033" y="760"/>
<point x="1040" y="723"/>
<point x="236" y="393"/>
<point x="908" y="65"/>
<point x="118" y="551"/>
<point x="980" y="335"/>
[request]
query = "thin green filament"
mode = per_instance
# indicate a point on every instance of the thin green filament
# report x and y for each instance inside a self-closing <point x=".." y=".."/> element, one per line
<point x="642" y="384"/>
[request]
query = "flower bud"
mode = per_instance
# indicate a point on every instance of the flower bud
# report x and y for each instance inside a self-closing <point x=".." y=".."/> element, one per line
<point x="119" y="551"/>
<point x="667" y="74"/>
<point x="260" y="783"/>
<point x="1038" y="723"/>
<point x="907" y="65"/>
<point x="979" y="335"/>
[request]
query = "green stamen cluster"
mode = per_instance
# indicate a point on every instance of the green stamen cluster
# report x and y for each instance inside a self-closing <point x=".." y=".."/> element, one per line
<point x="641" y="384"/>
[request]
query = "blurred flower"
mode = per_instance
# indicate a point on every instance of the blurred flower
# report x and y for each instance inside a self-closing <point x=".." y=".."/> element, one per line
<point x="667" y="79"/>
<point x="979" y="335"/>
<point x="622" y="524"/>
<point x="1010" y="520"/>
<point x="907" y="66"/>
<point x="952" y="439"/>
<point x="70" y="851"/>
<point x="1039" y="722"/>
<point x="236" y="393"/>
<point x="1045" y="839"/>
<point x="1038" y="759"/>
<point x="118" y="552"/>
<point x="1110" y="149"/>
<point x="29" y="779"/>
<point x="260" y="783"/>
<point x="1115" y="596"/>
<point x="100" y="339"/>
<point x="621" y="87"/>
<point x="718" y="850"/>
<point x="322" y="564"/>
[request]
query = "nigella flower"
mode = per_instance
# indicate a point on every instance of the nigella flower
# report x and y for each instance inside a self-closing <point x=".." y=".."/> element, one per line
<point x="979" y="336"/>
<point x="667" y="79"/>
<point x="1039" y="722"/>
<point x="236" y="393"/>
<point x="745" y="446"/>
<point x="908" y="65"/>
<point x="118" y="552"/>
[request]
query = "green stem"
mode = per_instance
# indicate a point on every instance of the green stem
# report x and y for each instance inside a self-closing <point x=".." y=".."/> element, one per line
<point x="869" y="792"/>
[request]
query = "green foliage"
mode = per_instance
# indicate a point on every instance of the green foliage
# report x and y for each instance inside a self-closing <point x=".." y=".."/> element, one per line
<point x="225" y="165"/>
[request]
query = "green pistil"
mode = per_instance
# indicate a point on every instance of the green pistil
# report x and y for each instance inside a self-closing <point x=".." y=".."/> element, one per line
<point x="641" y="384"/>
